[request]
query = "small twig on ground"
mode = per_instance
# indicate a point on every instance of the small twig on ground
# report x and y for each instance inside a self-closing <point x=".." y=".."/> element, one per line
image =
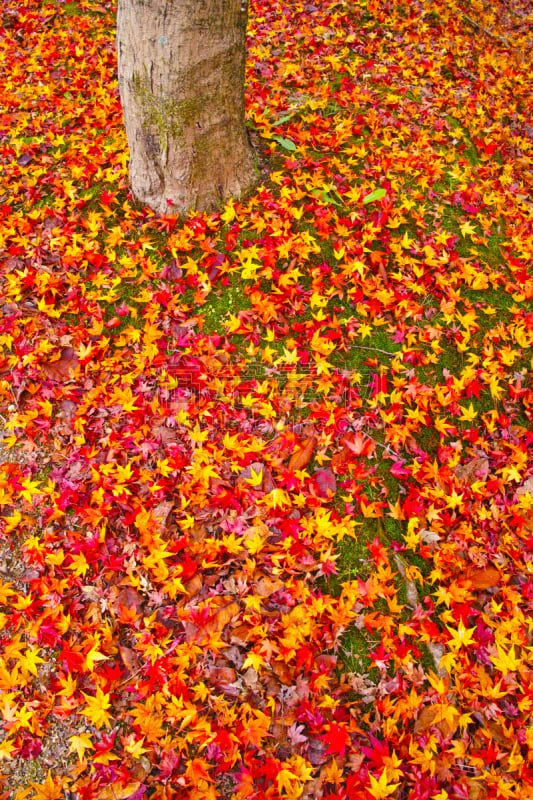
<point x="470" y="74"/>
<point x="384" y="446"/>
<point x="376" y="349"/>
<point x="489" y="33"/>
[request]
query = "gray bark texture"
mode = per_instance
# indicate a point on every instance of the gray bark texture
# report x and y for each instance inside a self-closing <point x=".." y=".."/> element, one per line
<point x="181" y="81"/>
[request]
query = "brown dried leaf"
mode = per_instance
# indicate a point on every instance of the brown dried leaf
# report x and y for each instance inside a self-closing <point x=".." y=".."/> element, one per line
<point x="500" y="734"/>
<point x="197" y="533"/>
<point x="220" y="618"/>
<point x="251" y="679"/>
<point x="259" y="529"/>
<point x="221" y="677"/>
<point x="526" y="487"/>
<point x="194" y="586"/>
<point x="477" y="469"/>
<point x="162" y="511"/>
<point x="425" y="719"/>
<point x="239" y="635"/>
<point x="117" y="792"/>
<point x="301" y="458"/>
<point x="482" y="577"/>
<point x="339" y="459"/>
<point x="476" y="790"/>
<point x="131" y="662"/>
<point x="167" y="435"/>
<point x="282" y="671"/>
<point x="125" y="597"/>
<point x="267" y="586"/>
<point x="434" y="715"/>
<point x="60" y="370"/>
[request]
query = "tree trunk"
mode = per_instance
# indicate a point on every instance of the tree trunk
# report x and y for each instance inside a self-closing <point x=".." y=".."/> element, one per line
<point x="181" y="81"/>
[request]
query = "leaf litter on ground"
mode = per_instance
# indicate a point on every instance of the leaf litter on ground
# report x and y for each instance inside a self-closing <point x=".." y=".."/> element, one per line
<point x="266" y="473"/>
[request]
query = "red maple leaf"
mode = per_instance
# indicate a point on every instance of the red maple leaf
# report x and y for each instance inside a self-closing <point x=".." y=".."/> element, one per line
<point x="337" y="739"/>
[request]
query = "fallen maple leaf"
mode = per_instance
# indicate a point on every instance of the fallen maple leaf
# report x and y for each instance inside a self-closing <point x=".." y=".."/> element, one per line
<point x="337" y="738"/>
<point x="325" y="481"/>
<point x="97" y="708"/>
<point x="61" y="368"/>
<point x="301" y="458"/>
<point x="381" y="788"/>
<point x="134" y="790"/>
<point x="48" y="790"/>
<point x="482" y="577"/>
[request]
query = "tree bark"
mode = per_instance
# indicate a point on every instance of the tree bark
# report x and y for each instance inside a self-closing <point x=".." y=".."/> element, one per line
<point x="181" y="81"/>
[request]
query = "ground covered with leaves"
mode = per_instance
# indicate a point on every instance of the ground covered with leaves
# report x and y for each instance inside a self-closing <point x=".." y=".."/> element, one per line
<point x="267" y="480"/>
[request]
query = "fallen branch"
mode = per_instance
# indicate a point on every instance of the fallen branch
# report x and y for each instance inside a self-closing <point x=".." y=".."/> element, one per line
<point x="489" y="33"/>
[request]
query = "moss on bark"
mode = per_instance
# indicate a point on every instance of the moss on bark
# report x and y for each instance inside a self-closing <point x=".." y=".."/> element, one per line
<point x="181" y="77"/>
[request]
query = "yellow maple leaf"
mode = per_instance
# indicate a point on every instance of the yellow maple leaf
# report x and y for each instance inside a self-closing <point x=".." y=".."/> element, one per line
<point x="454" y="500"/>
<point x="515" y="759"/>
<point x="322" y="345"/>
<point x="31" y="488"/>
<point x="47" y="790"/>
<point x="381" y="788"/>
<point x="461" y="637"/>
<point x="79" y="564"/>
<point x="506" y="661"/>
<point x="510" y="473"/>
<point x="365" y="330"/>
<point x="254" y="660"/>
<point x="134" y="746"/>
<point x="5" y="591"/>
<point x="69" y="685"/>
<point x="407" y="242"/>
<point x="9" y="441"/>
<point x="97" y="707"/>
<point x="79" y="744"/>
<point x="229" y="214"/>
<point x="6" y="749"/>
<point x="198" y="435"/>
<point x="30" y="659"/>
<point x="275" y="499"/>
<point x="286" y="780"/>
<point x="467" y="228"/>
<point x="468" y="413"/>
<point x="256" y="478"/>
<point x="92" y="656"/>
